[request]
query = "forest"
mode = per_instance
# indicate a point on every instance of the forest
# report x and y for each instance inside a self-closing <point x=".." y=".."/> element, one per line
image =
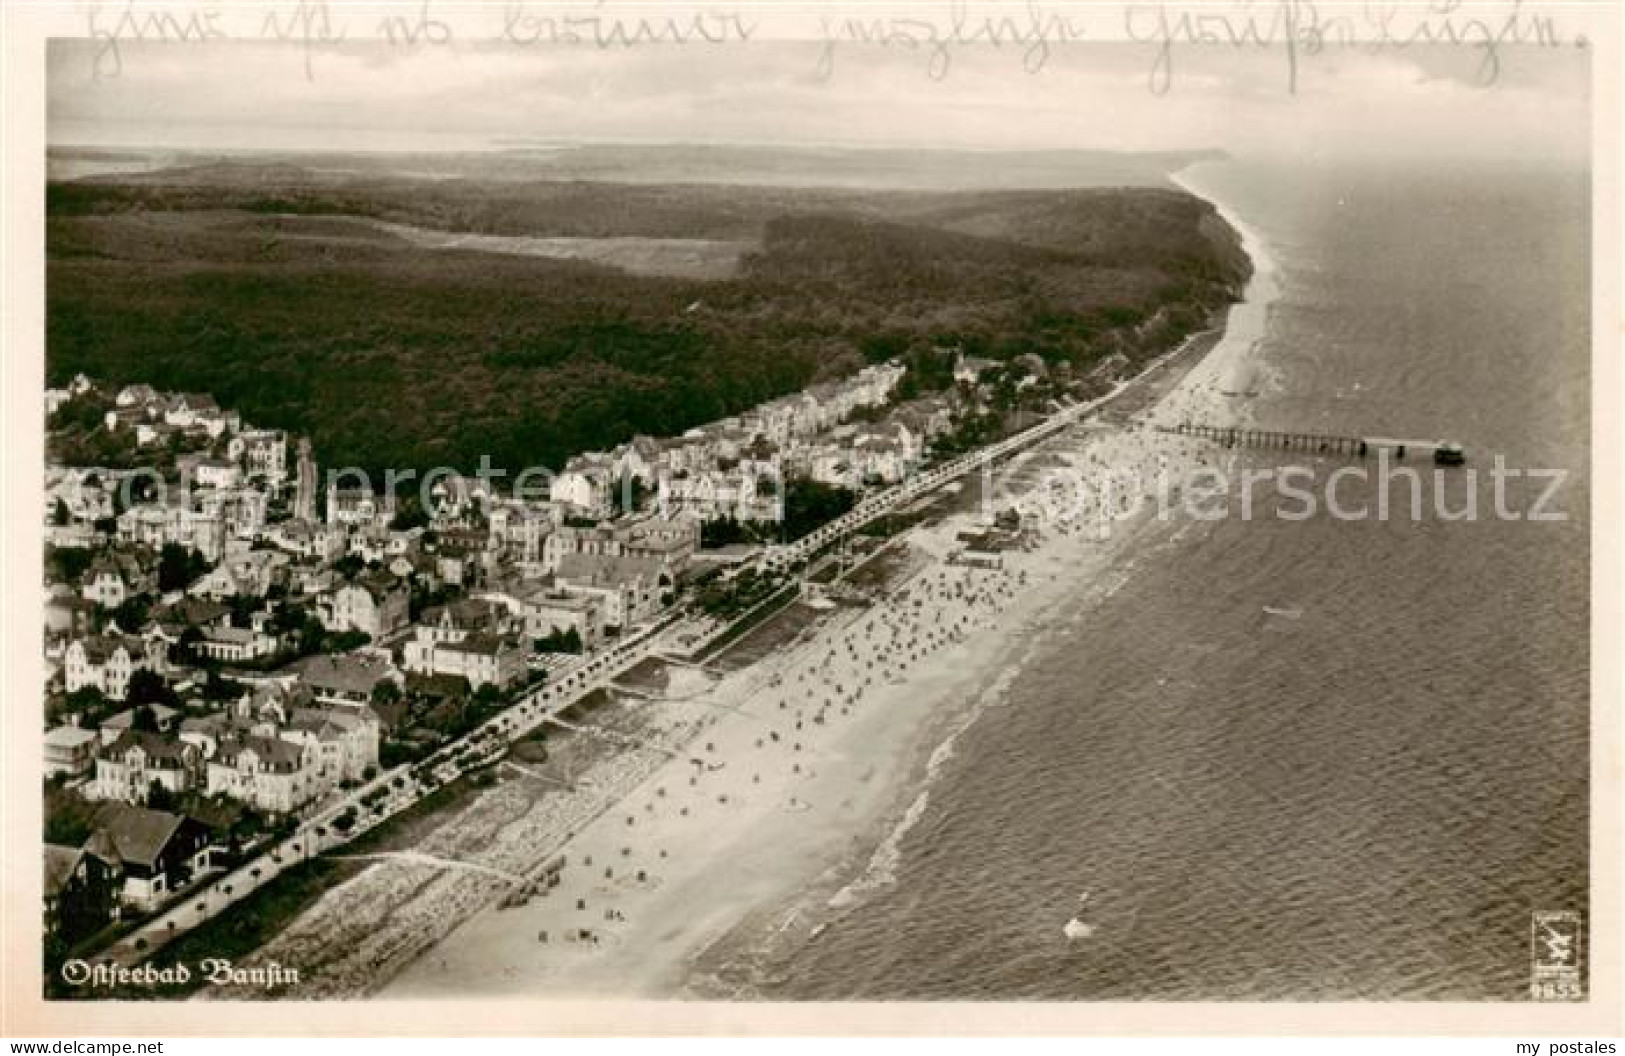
<point x="276" y="291"/>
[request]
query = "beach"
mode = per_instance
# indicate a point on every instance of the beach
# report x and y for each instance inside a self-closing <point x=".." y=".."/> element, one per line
<point x="819" y="757"/>
<point x="720" y="812"/>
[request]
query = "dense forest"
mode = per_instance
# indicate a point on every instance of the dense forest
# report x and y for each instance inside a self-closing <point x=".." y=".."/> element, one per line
<point x="274" y="290"/>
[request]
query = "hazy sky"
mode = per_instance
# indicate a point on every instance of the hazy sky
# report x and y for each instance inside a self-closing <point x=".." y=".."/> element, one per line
<point x="236" y="94"/>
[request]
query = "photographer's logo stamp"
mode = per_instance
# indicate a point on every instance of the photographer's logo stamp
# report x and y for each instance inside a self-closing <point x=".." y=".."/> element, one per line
<point x="1554" y="955"/>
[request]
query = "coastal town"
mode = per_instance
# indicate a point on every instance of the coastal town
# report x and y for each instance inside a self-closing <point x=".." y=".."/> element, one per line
<point x="243" y="659"/>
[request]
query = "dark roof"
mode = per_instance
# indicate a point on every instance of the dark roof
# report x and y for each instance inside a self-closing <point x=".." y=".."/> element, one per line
<point x="345" y="674"/>
<point x="60" y="862"/>
<point x="136" y="834"/>
<point x="99" y="648"/>
<point x="167" y="754"/>
<point x="379" y="584"/>
<point x="191" y="611"/>
<point x="465" y="614"/>
<point x="275" y="753"/>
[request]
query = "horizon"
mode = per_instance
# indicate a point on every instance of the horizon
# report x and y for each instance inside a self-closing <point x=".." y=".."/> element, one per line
<point x="225" y="96"/>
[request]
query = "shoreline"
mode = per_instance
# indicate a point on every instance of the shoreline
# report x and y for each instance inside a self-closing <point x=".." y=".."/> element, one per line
<point x="793" y="853"/>
<point x="781" y="805"/>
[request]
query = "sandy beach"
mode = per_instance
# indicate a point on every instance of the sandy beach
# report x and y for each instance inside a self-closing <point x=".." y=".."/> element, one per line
<point x="731" y="798"/>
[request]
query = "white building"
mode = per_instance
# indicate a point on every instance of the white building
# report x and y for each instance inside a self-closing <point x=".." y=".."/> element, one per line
<point x="105" y="662"/>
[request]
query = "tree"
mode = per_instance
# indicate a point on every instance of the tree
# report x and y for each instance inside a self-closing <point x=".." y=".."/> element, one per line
<point x="66" y="564"/>
<point x="143" y="719"/>
<point x="557" y="641"/>
<point x="148" y="688"/>
<point x="409" y="513"/>
<point x="159" y="797"/>
<point x="131" y="614"/>
<point x="86" y="700"/>
<point x="60" y="516"/>
<point x="179" y="566"/>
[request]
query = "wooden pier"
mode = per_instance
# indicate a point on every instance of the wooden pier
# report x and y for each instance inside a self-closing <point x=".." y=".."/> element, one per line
<point x="1442" y="451"/>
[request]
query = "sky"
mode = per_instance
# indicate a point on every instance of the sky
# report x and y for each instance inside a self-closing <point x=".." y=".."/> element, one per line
<point x="370" y="95"/>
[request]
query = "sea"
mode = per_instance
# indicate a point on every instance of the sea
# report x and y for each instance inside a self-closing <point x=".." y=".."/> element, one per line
<point x="1312" y="759"/>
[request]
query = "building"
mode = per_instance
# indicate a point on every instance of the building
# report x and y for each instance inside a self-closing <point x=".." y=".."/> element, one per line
<point x="471" y="638"/>
<point x="156" y="852"/>
<point x="204" y="471"/>
<point x="345" y="740"/>
<point x="268" y="773"/>
<point x="113" y="578"/>
<point x="630" y="588"/>
<point x="586" y="485"/>
<point x="483" y="659"/>
<point x="547" y="613"/>
<point x="81" y="893"/>
<point x="262" y="453"/>
<point x="347" y="680"/>
<point x="128" y="769"/>
<point x="163" y="718"/>
<point x="306" y="539"/>
<point x="154" y="525"/>
<point x="251" y="573"/>
<point x="104" y="661"/>
<point x="70" y="750"/>
<point x="358" y="507"/>
<point x="235" y="645"/>
<point x="377" y="604"/>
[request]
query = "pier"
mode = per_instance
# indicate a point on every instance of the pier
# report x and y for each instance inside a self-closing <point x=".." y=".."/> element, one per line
<point x="1444" y="452"/>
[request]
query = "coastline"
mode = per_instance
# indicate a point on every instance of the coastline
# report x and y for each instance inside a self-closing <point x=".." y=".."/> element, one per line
<point x="791" y="816"/>
<point x="1235" y="370"/>
<point x="797" y="849"/>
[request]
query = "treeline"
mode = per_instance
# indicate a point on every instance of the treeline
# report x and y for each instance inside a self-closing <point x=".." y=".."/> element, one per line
<point x="391" y="356"/>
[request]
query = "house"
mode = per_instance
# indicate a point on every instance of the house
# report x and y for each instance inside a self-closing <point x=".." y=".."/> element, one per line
<point x="347" y="679"/>
<point x="969" y="369"/>
<point x="262" y="453"/>
<point x="136" y="396"/>
<point x="483" y="659"/>
<point x="306" y="539"/>
<point x="204" y="471"/>
<point x="630" y="587"/>
<point x="156" y="852"/>
<point x="235" y="645"/>
<point x="154" y="525"/>
<point x="87" y="495"/>
<point x="199" y="411"/>
<point x="710" y="494"/>
<point x="586" y="485"/>
<point x="105" y="661"/>
<point x="472" y="638"/>
<point x="81" y="893"/>
<point x="358" y="507"/>
<point x="113" y="578"/>
<point x="267" y="773"/>
<point x="672" y="542"/>
<point x="129" y="768"/>
<point x="547" y="612"/>
<point x="251" y="573"/>
<point x="112" y="727"/>
<point x="453" y="496"/>
<point x="521" y="529"/>
<point x="374" y="603"/>
<point x="70" y="750"/>
<point x="638" y="459"/>
<point x="242" y="510"/>
<point x="345" y="740"/>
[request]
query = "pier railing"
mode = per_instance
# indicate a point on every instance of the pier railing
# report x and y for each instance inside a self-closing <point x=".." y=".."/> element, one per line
<point x="1315" y="443"/>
